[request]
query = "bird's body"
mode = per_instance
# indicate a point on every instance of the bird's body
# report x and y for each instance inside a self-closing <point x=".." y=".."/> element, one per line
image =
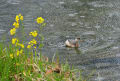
<point x="72" y="43"/>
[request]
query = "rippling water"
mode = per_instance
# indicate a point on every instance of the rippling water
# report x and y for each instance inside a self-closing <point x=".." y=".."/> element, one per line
<point x="96" y="22"/>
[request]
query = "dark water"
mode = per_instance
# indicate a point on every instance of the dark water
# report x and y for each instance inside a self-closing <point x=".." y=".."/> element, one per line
<point x="96" y="22"/>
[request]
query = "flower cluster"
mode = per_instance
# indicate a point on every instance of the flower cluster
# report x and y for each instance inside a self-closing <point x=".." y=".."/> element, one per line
<point x="16" y="24"/>
<point x="19" y="52"/>
<point x="15" y="41"/>
<point x="13" y="31"/>
<point x="21" y="45"/>
<point x="19" y="17"/>
<point x="34" y="33"/>
<point x="32" y="43"/>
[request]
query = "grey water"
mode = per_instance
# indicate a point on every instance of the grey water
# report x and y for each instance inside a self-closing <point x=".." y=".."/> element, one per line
<point x="96" y="22"/>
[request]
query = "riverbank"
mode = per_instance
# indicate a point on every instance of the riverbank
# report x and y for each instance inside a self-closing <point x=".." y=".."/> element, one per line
<point x="33" y="67"/>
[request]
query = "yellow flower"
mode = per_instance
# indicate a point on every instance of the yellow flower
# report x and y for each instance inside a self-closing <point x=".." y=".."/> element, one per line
<point x="14" y="40"/>
<point x="19" y="52"/>
<point x="33" y="41"/>
<point x="28" y="46"/>
<point x="34" y="33"/>
<point x="40" y="20"/>
<point x="17" y="18"/>
<point x="21" y="18"/>
<point x="35" y="47"/>
<point x="16" y="24"/>
<point x="21" y="45"/>
<point x="12" y="31"/>
<point x="11" y="55"/>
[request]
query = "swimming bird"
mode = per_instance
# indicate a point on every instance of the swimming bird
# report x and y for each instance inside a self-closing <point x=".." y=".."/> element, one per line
<point x="72" y="43"/>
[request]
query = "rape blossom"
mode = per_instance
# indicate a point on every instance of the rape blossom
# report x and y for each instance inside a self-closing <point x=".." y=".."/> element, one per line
<point x="12" y="31"/>
<point x="17" y="18"/>
<point x="14" y="40"/>
<point x="19" y="52"/>
<point x="21" y="45"/>
<point x="16" y="24"/>
<point x="40" y="20"/>
<point x="21" y="17"/>
<point x="34" y="33"/>
<point x="31" y="43"/>
<point x="29" y="46"/>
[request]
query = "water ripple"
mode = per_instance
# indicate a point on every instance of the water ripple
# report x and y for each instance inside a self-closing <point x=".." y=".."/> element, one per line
<point x="14" y="2"/>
